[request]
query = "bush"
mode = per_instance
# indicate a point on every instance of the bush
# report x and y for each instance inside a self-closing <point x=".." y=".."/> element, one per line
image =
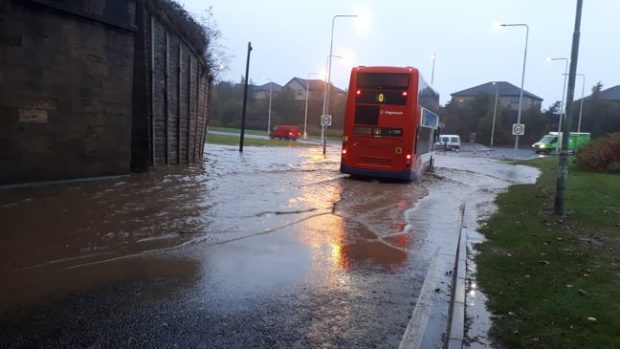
<point x="601" y="155"/>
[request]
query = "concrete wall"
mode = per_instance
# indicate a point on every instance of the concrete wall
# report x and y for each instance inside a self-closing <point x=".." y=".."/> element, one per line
<point x="77" y="97"/>
<point x="179" y="97"/>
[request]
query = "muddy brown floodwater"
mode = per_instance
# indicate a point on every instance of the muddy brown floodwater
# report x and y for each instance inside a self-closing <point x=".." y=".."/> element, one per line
<point x="269" y="248"/>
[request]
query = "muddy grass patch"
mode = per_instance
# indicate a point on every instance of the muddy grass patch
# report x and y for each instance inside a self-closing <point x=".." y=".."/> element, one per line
<point x="552" y="282"/>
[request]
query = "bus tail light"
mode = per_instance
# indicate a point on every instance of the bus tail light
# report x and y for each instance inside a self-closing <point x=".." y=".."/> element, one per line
<point x="344" y="152"/>
<point x="408" y="160"/>
<point x="404" y="93"/>
<point x="358" y="92"/>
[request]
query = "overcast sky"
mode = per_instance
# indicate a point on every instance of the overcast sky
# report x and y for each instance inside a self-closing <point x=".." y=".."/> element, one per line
<point x="291" y="39"/>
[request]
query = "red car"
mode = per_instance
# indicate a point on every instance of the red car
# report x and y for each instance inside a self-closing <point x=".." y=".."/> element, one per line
<point x="285" y="132"/>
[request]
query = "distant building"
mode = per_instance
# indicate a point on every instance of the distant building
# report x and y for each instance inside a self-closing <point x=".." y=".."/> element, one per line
<point x="262" y="91"/>
<point x="611" y="94"/>
<point x="315" y="88"/>
<point x="508" y="95"/>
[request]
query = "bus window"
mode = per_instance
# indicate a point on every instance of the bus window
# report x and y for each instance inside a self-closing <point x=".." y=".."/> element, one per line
<point x="383" y="81"/>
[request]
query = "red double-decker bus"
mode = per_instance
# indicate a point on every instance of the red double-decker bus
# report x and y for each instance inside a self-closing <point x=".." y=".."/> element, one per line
<point x="389" y="131"/>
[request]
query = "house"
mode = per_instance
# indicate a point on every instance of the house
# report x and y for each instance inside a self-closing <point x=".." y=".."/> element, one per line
<point x="507" y="95"/>
<point x="263" y="91"/>
<point x="611" y="94"/>
<point x="315" y="88"/>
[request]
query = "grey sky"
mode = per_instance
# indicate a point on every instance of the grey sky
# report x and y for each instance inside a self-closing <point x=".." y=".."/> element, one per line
<point x="291" y="38"/>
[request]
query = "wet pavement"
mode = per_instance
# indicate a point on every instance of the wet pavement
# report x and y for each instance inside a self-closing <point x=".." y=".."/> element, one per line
<point x="270" y="248"/>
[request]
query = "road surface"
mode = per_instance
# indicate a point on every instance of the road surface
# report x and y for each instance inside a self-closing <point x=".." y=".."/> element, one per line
<point x="269" y="248"/>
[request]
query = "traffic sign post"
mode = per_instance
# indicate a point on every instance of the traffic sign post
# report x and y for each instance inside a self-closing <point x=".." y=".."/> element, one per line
<point x="518" y="129"/>
<point x="326" y="120"/>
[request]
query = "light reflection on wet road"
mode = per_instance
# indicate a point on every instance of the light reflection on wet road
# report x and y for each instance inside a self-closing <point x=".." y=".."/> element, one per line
<point x="272" y="248"/>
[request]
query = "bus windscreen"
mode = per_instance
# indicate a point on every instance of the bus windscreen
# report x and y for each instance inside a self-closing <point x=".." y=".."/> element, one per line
<point x="383" y="81"/>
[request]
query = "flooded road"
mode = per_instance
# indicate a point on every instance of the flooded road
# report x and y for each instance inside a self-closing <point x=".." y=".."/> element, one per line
<point x="270" y="248"/>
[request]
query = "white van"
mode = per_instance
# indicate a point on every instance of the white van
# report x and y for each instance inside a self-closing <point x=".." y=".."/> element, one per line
<point x="448" y="142"/>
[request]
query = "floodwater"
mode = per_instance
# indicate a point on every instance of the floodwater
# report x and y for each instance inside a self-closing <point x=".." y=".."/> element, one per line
<point x="269" y="248"/>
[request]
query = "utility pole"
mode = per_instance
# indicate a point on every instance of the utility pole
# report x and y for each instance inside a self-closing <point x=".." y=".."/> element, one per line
<point x="562" y="172"/>
<point x="245" y="98"/>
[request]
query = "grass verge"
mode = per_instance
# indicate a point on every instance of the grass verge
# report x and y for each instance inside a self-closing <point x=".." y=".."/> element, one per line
<point x="234" y="140"/>
<point x="236" y="130"/>
<point x="554" y="282"/>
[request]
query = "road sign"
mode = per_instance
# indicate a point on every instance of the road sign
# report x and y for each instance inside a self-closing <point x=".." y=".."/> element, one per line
<point x="518" y="129"/>
<point x="326" y="120"/>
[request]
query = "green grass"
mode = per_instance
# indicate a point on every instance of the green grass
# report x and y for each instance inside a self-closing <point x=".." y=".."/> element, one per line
<point x="330" y="133"/>
<point x="236" y="130"/>
<point x="548" y="277"/>
<point x="234" y="140"/>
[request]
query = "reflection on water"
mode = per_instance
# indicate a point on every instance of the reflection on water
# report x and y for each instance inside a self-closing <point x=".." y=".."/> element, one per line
<point x="61" y="238"/>
<point x="366" y="225"/>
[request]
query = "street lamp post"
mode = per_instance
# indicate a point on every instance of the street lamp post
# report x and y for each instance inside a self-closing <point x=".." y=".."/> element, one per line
<point x="563" y="105"/>
<point x="583" y="85"/>
<point x="527" y="33"/>
<point x="269" y="114"/>
<point x="434" y="57"/>
<point x="306" y="110"/>
<point x="328" y="81"/>
<point x="494" y="112"/>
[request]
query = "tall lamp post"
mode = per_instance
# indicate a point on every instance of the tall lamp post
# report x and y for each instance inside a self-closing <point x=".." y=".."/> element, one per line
<point x="434" y="58"/>
<point x="269" y="114"/>
<point x="563" y="106"/>
<point x="328" y="81"/>
<point x="583" y="85"/>
<point x="527" y="33"/>
<point x="494" y="112"/>
<point x="306" y="111"/>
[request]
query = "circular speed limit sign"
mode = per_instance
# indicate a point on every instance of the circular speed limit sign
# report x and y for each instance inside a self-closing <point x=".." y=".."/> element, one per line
<point x="518" y="129"/>
<point x="326" y="120"/>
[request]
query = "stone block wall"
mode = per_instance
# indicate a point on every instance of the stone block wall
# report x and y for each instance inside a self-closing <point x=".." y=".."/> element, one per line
<point x="86" y="91"/>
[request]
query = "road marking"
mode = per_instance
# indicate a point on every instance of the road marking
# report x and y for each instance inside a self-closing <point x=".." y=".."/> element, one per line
<point x="412" y="338"/>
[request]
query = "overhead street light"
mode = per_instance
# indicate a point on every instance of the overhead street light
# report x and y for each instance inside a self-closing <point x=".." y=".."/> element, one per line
<point x="328" y="81"/>
<point x="527" y="33"/>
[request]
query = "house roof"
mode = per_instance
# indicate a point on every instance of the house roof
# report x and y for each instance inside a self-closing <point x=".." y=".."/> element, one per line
<point x="611" y="94"/>
<point x="314" y="84"/>
<point x="274" y="87"/>
<point x="504" y="89"/>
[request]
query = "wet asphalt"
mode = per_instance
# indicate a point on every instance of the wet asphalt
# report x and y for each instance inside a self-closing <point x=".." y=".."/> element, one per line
<point x="269" y="248"/>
